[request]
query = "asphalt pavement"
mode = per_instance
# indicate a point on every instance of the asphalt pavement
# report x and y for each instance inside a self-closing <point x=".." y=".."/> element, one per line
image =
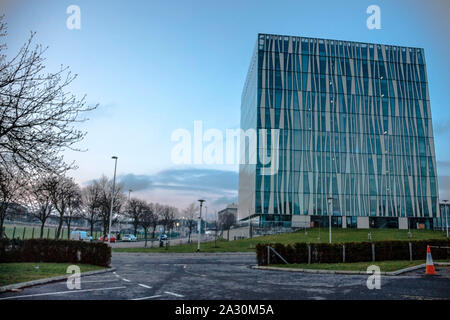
<point x="168" y="276"/>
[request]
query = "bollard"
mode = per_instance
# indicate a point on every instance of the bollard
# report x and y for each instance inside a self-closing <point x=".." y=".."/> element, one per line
<point x="309" y="254"/>
<point x="373" y="251"/>
<point x="410" y="252"/>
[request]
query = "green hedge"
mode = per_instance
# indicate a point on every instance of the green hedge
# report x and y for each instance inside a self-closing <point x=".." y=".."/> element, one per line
<point x="354" y="251"/>
<point x="47" y="250"/>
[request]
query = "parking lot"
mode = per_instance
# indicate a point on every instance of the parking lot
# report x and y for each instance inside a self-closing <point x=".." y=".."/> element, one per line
<point x="144" y="276"/>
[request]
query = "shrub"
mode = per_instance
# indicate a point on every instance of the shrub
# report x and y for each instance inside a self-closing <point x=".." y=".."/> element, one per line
<point x="47" y="250"/>
<point x="354" y="251"/>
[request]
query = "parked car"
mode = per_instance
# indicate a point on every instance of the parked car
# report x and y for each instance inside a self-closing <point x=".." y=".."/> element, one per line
<point x="163" y="237"/>
<point x="80" y="235"/>
<point x="105" y="238"/>
<point x="129" y="237"/>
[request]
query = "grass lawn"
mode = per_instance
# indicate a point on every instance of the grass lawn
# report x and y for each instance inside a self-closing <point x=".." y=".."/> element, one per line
<point x="314" y="235"/>
<point x="20" y="272"/>
<point x="385" y="266"/>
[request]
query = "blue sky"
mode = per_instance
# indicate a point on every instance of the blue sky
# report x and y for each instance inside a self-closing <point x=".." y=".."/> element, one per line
<point x="155" y="66"/>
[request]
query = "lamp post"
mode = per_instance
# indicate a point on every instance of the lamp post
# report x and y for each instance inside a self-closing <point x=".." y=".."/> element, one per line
<point x="112" y="199"/>
<point x="330" y="204"/>
<point x="200" y="225"/>
<point x="446" y="215"/>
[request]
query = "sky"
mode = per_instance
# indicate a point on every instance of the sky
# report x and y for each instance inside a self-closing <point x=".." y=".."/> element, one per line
<point x="157" y="66"/>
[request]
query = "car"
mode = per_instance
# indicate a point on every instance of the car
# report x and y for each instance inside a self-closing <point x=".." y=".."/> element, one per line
<point x="163" y="237"/>
<point x="105" y="238"/>
<point x="129" y="237"/>
<point x="80" y="235"/>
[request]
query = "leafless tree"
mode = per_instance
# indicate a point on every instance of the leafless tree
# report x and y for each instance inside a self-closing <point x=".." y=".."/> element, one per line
<point x="134" y="212"/>
<point x="90" y="196"/>
<point x="158" y="211"/>
<point x="167" y="217"/>
<point x="39" y="201"/>
<point x="147" y="217"/>
<point x="190" y="215"/>
<point x="226" y="221"/>
<point x="63" y="191"/>
<point x="105" y="201"/>
<point x="10" y="186"/>
<point x="38" y="115"/>
<point x="74" y="207"/>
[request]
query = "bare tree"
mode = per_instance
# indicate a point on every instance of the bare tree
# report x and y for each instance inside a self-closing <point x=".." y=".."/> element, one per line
<point x="158" y="211"/>
<point x="63" y="190"/>
<point x="39" y="201"/>
<point x="38" y="116"/>
<point x="226" y="221"/>
<point x="134" y="212"/>
<point x="10" y="186"/>
<point x="105" y="201"/>
<point x="74" y="206"/>
<point x="167" y="217"/>
<point x="147" y="217"/>
<point x="90" y="196"/>
<point x="189" y="214"/>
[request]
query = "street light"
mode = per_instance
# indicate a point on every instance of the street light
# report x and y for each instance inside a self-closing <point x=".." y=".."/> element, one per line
<point x="200" y="225"/>
<point x="330" y="204"/>
<point x="112" y="199"/>
<point x="446" y="215"/>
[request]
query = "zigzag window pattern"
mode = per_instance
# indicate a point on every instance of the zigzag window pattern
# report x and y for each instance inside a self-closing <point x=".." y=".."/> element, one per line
<point x="355" y="123"/>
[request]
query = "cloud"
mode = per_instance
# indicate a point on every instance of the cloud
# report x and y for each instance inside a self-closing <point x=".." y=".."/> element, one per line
<point x="208" y="180"/>
<point x="441" y="127"/>
<point x="180" y="187"/>
<point x="444" y="187"/>
<point x="444" y="164"/>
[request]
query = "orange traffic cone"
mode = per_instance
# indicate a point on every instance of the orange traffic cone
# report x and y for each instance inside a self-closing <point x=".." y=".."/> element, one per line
<point x="429" y="268"/>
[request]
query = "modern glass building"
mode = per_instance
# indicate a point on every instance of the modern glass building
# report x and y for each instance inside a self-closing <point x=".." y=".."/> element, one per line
<point x="351" y="124"/>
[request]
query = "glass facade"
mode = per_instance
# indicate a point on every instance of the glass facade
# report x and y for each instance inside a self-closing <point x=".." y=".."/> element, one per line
<point x="354" y="124"/>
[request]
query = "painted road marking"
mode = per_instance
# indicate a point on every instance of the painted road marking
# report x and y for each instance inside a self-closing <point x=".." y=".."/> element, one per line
<point x="126" y="280"/>
<point x="151" y="297"/>
<point x="145" y="286"/>
<point x="174" y="294"/>
<point x="106" y="280"/>
<point x="195" y="274"/>
<point x="61" y="292"/>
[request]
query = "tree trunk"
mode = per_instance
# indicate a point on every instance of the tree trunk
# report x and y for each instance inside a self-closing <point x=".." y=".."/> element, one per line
<point x="42" y="229"/>
<point x="92" y="227"/>
<point x="135" y="229"/>
<point x="189" y="236"/>
<point x="58" y="231"/>
<point x="228" y="235"/>
<point x="68" y="229"/>
<point x="145" y="234"/>
<point x="2" y="219"/>
<point x="153" y="232"/>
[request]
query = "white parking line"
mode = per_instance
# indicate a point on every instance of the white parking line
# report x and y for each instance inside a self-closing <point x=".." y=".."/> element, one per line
<point x="126" y="280"/>
<point x="144" y="286"/>
<point x="174" y="294"/>
<point x="151" y="297"/>
<point x="61" y="292"/>
<point x="106" y="280"/>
